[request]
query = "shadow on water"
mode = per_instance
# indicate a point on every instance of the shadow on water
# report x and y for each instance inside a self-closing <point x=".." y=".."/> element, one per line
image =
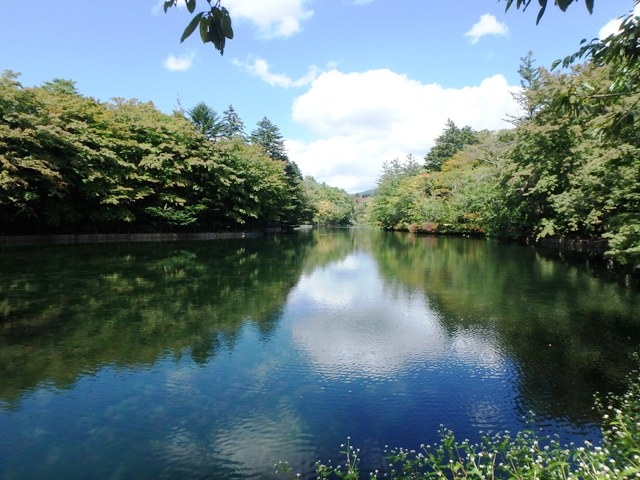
<point x="69" y="310"/>
<point x="571" y="328"/>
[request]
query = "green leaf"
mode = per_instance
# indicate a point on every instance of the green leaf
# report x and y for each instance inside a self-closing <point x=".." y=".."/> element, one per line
<point x="555" y="63"/>
<point x="589" y="5"/>
<point x="167" y="4"/>
<point x="215" y="33"/>
<point x="541" y="13"/>
<point x="191" y="27"/>
<point x="225" y="24"/>
<point x="203" y="29"/>
<point x="191" y="5"/>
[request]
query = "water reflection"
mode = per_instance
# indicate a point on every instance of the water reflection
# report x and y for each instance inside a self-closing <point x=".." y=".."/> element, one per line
<point x="356" y="325"/>
<point x="219" y="359"/>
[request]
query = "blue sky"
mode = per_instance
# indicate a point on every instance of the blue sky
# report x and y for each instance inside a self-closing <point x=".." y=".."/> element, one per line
<point x="350" y="83"/>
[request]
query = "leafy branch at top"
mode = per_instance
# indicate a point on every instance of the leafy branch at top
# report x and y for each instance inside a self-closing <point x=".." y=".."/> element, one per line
<point x="562" y="4"/>
<point x="214" y="25"/>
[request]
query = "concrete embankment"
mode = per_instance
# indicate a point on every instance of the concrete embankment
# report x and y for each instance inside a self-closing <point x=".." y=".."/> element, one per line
<point x="121" y="237"/>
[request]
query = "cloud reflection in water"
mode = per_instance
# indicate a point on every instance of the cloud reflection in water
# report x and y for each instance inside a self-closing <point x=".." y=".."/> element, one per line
<point x="376" y="329"/>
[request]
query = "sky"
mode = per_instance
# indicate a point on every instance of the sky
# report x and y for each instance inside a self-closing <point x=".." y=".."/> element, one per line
<point x="350" y="83"/>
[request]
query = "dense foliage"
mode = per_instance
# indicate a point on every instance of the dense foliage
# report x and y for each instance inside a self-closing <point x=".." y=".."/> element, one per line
<point x="71" y="164"/>
<point x="331" y="205"/>
<point x="570" y="168"/>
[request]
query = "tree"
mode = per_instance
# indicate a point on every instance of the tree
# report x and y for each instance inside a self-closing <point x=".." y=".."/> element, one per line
<point x="268" y="136"/>
<point x="298" y="210"/>
<point x="331" y="205"/>
<point x="206" y="119"/>
<point x="70" y="164"/>
<point x="621" y="52"/>
<point x="529" y="82"/>
<point x="61" y="86"/>
<point x="447" y="144"/>
<point x="232" y="124"/>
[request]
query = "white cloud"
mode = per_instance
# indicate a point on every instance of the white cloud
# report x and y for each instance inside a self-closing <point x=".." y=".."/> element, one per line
<point x="181" y="63"/>
<point x="487" y="25"/>
<point x="612" y="27"/>
<point x="363" y="119"/>
<point x="261" y="68"/>
<point x="275" y="18"/>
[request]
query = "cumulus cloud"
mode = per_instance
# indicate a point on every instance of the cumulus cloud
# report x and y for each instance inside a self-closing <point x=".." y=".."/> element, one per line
<point x="181" y="63"/>
<point x="487" y="25"/>
<point x="612" y="27"/>
<point x="276" y="18"/>
<point x="261" y="68"/>
<point x="362" y="119"/>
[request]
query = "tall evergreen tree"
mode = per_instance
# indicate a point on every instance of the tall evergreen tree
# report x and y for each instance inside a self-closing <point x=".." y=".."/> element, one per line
<point x="206" y="119"/>
<point x="447" y="144"/>
<point x="529" y="82"/>
<point x="298" y="210"/>
<point x="232" y="124"/>
<point x="268" y="136"/>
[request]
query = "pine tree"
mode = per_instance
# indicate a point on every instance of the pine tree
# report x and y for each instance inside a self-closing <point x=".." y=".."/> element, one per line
<point x="232" y="124"/>
<point x="529" y="81"/>
<point x="447" y="144"/>
<point x="268" y="136"/>
<point x="206" y="119"/>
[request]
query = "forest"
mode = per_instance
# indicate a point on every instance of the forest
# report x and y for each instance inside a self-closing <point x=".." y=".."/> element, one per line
<point x="72" y="164"/>
<point x="568" y="169"/>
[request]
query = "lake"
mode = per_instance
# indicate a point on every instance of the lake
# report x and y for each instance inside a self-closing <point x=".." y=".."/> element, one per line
<point x="217" y="359"/>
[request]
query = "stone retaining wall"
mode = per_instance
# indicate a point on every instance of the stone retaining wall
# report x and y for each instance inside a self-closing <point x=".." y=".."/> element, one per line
<point x="595" y="246"/>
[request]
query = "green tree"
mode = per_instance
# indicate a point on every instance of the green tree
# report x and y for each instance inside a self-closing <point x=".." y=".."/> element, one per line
<point x="331" y="205"/>
<point x="232" y="124"/>
<point x="62" y="86"/>
<point x="268" y="136"/>
<point x="447" y="144"/>
<point x="71" y="164"/>
<point x="621" y="52"/>
<point x="529" y="82"/>
<point x="206" y="119"/>
<point x="401" y="195"/>
<point x="297" y="210"/>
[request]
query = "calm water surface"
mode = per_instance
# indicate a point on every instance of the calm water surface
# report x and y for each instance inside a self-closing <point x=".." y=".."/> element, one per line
<point x="218" y="359"/>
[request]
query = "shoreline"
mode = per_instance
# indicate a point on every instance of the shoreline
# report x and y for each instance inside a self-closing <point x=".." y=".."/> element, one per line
<point x="87" y="238"/>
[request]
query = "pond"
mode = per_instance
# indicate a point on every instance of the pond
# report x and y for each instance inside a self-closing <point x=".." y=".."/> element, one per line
<point x="217" y="359"/>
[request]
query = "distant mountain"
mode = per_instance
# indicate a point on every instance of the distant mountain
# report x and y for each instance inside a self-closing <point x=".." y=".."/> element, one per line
<point x="367" y="193"/>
